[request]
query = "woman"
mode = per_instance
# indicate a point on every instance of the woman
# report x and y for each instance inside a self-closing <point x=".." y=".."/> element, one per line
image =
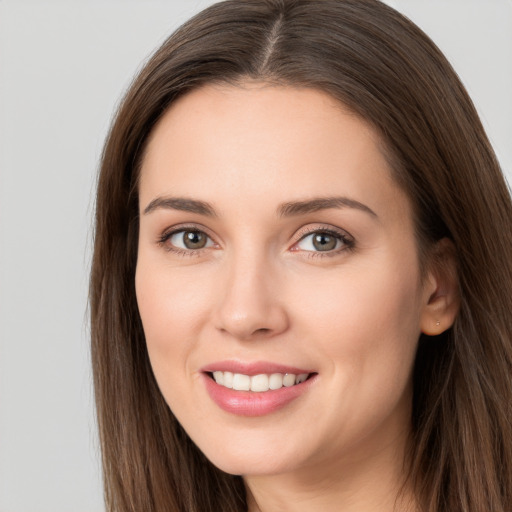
<point x="301" y="283"/>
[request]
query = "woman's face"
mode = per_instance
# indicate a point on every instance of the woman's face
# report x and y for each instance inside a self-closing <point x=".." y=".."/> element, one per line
<point x="276" y="247"/>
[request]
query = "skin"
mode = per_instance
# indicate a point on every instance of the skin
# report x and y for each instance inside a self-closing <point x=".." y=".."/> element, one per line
<point x="260" y="291"/>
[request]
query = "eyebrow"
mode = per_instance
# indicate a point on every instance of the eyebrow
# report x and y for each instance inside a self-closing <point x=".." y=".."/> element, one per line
<point x="181" y="204"/>
<point x="321" y="203"/>
<point x="289" y="209"/>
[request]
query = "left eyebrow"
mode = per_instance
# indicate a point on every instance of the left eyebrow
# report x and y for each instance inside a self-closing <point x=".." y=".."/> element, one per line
<point x="321" y="203"/>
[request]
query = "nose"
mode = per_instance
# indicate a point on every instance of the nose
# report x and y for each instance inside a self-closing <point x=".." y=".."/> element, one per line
<point x="249" y="305"/>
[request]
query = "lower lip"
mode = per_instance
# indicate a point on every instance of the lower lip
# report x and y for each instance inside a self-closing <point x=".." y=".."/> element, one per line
<point x="250" y="403"/>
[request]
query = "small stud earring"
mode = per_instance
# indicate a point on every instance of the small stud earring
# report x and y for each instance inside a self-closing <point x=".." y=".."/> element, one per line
<point x="438" y="323"/>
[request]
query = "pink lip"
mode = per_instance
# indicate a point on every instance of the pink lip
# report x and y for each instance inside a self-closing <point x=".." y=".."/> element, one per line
<point x="249" y="403"/>
<point x="254" y="368"/>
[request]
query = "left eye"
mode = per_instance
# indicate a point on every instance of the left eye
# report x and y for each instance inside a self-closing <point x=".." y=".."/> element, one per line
<point x="320" y="241"/>
<point x="190" y="240"/>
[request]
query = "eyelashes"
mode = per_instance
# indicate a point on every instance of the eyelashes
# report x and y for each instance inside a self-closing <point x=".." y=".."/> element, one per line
<point x="316" y="241"/>
<point x="186" y="240"/>
<point x="323" y="242"/>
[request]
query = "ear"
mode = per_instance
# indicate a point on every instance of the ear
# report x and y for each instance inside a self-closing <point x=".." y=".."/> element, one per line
<point x="441" y="292"/>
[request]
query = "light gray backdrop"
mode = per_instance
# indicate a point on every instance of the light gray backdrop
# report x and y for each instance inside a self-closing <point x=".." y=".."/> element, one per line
<point x="63" y="67"/>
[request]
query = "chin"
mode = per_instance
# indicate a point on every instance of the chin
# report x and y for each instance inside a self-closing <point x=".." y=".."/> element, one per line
<point x="244" y="458"/>
<point x="252" y="467"/>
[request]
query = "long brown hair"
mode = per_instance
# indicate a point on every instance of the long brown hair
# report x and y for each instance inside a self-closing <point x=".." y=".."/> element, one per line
<point x="386" y="70"/>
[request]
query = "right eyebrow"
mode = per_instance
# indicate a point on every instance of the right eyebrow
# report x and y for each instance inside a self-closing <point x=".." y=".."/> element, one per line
<point x="182" y="204"/>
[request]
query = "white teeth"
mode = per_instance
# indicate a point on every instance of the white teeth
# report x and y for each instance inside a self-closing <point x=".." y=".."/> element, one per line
<point x="241" y="382"/>
<point x="257" y="383"/>
<point x="275" y="381"/>
<point x="228" y="380"/>
<point x="289" y="380"/>
<point x="301" y="378"/>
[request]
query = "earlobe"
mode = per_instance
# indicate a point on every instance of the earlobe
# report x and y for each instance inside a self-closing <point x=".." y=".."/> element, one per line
<point x="442" y="298"/>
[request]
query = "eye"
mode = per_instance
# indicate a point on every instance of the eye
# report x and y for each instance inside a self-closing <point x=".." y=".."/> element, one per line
<point x="323" y="241"/>
<point x="189" y="239"/>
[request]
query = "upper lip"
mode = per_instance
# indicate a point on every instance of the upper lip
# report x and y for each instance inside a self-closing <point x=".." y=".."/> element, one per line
<point x="253" y="368"/>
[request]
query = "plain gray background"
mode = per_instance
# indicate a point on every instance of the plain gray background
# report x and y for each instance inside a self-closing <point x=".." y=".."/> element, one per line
<point x="63" y="67"/>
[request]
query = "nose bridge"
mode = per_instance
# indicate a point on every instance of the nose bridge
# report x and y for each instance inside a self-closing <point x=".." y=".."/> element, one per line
<point x="249" y="304"/>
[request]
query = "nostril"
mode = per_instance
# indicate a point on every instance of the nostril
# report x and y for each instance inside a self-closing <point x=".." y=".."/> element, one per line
<point x="263" y="330"/>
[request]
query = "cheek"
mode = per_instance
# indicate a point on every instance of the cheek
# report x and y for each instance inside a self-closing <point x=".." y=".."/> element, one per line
<point x="365" y="318"/>
<point x="169" y="306"/>
<point x="366" y="326"/>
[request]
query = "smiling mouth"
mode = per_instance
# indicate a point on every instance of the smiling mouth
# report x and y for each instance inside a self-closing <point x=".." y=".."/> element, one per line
<point x="258" y="383"/>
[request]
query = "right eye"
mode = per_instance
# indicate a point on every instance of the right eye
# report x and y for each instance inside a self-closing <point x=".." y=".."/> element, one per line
<point x="188" y="240"/>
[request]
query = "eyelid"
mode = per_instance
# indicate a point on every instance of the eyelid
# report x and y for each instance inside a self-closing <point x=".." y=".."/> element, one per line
<point x="341" y="234"/>
<point x="346" y="238"/>
<point x="166" y="235"/>
<point x="322" y="228"/>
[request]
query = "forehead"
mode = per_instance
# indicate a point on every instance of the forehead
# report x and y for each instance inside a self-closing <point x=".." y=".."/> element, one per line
<point x="258" y="140"/>
<point x="258" y="112"/>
